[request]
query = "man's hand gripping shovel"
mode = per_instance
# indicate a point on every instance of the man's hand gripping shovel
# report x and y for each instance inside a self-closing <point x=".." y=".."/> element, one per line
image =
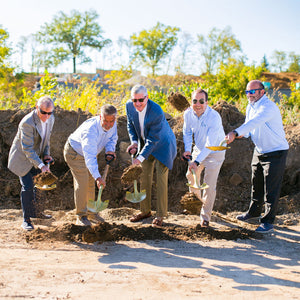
<point x="196" y="181"/>
<point x="136" y="196"/>
<point x="96" y="206"/>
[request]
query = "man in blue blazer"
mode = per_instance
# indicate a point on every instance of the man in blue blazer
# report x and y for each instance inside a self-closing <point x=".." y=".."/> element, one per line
<point x="154" y="142"/>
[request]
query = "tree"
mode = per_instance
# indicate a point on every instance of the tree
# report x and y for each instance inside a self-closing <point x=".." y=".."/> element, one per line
<point x="279" y="60"/>
<point x="265" y="63"/>
<point x="152" y="46"/>
<point x="185" y="44"/>
<point x="294" y="62"/>
<point x="69" y="35"/>
<point x="218" y="47"/>
<point x="5" y="53"/>
<point x="22" y="49"/>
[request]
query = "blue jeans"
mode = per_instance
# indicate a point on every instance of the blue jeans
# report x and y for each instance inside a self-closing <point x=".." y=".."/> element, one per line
<point x="28" y="200"/>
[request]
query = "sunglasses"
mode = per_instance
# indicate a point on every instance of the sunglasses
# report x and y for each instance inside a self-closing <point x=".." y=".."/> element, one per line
<point x="138" y="100"/>
<point x="201" y="101"/>
<point x="252" y="92"/>
<point x="45" y="113"/>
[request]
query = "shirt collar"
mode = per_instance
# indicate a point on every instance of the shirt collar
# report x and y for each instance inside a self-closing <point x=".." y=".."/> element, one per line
<point x="204" y="114"/>
<point x="258" y="102"/>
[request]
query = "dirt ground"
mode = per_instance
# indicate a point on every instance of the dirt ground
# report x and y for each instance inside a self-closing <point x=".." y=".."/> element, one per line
<point x="117" y="259"/>
<point x="181" y="261"/>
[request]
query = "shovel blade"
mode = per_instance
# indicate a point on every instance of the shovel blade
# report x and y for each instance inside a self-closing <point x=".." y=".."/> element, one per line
<point x="45" y="187"/>
<point x="217" y="148"/>
<point x="136" y="197"/>
<point x="200" y="187"/>
<point x="95" y="206"/>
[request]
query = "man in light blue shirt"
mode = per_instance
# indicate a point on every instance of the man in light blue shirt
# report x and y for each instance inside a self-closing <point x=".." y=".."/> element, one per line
<point x="203" y="124"/>
<point x="80" y="153"/>
<point x="264" y="125"/>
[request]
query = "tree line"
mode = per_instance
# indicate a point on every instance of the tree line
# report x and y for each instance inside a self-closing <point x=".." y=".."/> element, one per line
<point x="68" y="37"/>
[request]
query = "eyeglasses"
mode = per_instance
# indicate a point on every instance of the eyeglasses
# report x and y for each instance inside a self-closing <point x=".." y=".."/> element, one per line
<point x="45" y="113"/>
<point x="201" y="101"/>
<point x="139" y="100"/>
<point x="252" y="92"/>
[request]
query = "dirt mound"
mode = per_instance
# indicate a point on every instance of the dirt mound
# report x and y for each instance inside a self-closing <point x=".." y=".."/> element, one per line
<point x="234" y="182"/>
<point x="105" y="232"/>
<point x="280" y="80"/>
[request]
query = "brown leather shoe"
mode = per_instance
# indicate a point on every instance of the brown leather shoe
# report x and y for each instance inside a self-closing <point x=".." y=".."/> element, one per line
<point x="140" y="217"/>
<point x="157" y="223"/>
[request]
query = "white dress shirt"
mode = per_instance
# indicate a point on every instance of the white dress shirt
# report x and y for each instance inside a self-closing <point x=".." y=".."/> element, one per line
<point x="89" y="139"/>
<point x="264" y="125"/>
<point x="207" y="130"/>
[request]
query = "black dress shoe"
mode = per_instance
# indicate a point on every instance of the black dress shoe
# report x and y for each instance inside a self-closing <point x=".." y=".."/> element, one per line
<point x="43" y="216"/>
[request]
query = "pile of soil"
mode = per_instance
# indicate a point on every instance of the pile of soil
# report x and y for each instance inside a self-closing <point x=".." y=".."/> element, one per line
<point x="234" y="182"/>
<point x="280" y="80"/>
<point x="123" y="230"/>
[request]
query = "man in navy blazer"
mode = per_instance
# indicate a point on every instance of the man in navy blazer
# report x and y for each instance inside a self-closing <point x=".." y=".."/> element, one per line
<point x="154" y="142"/>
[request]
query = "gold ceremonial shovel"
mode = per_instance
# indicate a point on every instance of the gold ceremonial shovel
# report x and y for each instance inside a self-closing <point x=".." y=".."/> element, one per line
<point x="220" y="147"/>
<point x="45" y="181"/>
<point x="136" y="196"/>
<point x="96" y="206"/>
<point x="196" y="181"/>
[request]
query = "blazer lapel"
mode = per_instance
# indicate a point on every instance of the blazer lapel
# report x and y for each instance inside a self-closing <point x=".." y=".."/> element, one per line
<point x="38" y="124"/>
<point x="136" y="122"/>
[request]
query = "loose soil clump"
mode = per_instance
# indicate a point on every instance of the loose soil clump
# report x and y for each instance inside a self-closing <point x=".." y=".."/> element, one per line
<point x="45" y="178"/>
<point x="131" y="173"/>
<point x="191" y="204"/>
<point x="178" y="101"/>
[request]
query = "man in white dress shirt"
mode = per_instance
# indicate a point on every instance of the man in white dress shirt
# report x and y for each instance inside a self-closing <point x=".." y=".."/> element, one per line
<point x="264" y="125"/>
<point x="203" y="124"/>
<point x="80" y="153"/>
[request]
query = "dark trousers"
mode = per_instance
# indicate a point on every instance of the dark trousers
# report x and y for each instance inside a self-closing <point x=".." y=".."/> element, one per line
<point x="28" y="199"/>
<point x="267" y="176"/>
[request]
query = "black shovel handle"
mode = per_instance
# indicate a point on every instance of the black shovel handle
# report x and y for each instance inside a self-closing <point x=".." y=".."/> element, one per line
<point x="133" y="155"/>
<point x="188" y="158"/>
<point x="109" y="158"/>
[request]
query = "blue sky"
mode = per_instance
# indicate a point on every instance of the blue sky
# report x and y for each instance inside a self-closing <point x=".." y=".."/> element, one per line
<point x="260" y="25"/>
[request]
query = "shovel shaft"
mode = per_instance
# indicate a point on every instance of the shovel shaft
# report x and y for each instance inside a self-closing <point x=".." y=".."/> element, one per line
<point x="195" y="179"/>
<point x="105" y="172"/>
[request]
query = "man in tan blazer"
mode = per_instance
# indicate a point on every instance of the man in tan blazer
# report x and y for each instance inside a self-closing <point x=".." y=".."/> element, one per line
<point x="28" y="152"/>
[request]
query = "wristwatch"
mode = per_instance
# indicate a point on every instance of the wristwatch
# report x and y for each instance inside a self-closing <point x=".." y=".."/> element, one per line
<point x="235" y="132"/>
<point x="196" y="162"/>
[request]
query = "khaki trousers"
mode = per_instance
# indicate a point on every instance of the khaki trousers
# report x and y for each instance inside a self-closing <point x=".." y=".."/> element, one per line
<point x="211" y="166"/>
<point x="162" y="186"/>
<point x="84" y="183"/>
